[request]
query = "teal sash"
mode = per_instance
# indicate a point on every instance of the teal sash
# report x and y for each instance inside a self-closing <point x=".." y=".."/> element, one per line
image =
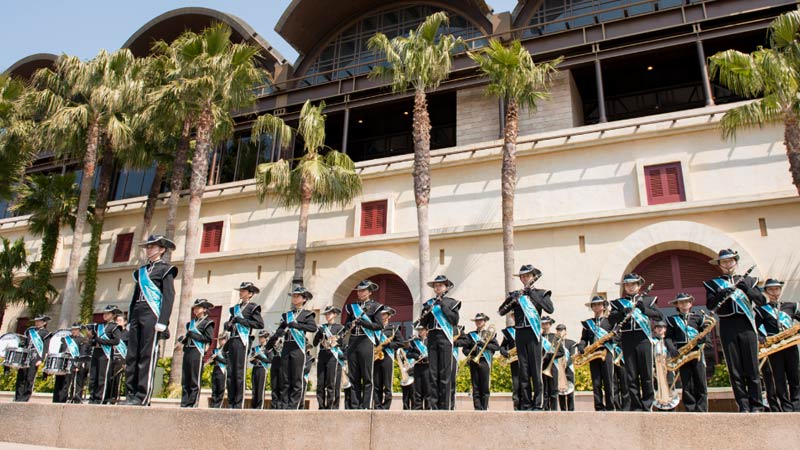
<point x="150" y="291"/>
<point x="689" y="331"/>
<point x="101" y="331"/>
<point x="337" y="352"/>
<point x="386" y="350"/>
<point x="739" y="298"/>
<point x="298" y="335"/>
<point x="486" y="353"/>
<point x="257" y="350"/>
<point x="532" y="315"/>
<point x="243" y="331"/>
<point x="639" y="317"/>
<point x="359" y="313"/>
<point x="447" y="327"/>
<point x="192" y="326"/>
<point x="221" y="365"/>
<point x="547" y="346"/>
<point x="38" y="344"/>
<point x="122" y="349"/>
<point x="423" y="349"/>
<point x="780" y="316"/>
<point x="72" y="346"/>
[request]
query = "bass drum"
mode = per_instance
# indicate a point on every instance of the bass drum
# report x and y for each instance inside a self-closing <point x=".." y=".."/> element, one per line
<point x="56" y="339"/>
<point x="13" y="351"/>
<point x="57" y="363"/>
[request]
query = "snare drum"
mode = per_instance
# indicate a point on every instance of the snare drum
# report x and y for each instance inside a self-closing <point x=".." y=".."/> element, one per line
<point x="17" y="358"/>
<point x="57" y="363"/>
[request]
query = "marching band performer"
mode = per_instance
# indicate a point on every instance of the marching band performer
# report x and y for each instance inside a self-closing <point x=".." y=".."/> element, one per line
<point x="632" y="314"/>
<point x="274" y="350"/>
<point x="440" y="316"/>
<point x="219" y="374"/>
<point x="199" y="334"/>
<point x="120" y="351"/>
<point x="602" y="371"/>
<point x="527" y="305"/>
<point x="391" y="338"/>
<point x="682" y="328"/>
<point x="733" y="297"/>
<point x="245" y="316"/>
<point x="454" y="372"/>
<point x="330" y="359"/>
<point x="74" y="344"/>
<point x="551" y="352"/>
<point x="566" y="402"/>
<point x="298" y="322"/>
<point x="505" y="347"/>
<point x="149" y="313"/>
<point x="662" y="349"/>
<point x="363" y="322"/>
<point x="418" y="358"/>
<point x="258" y="377"/>
<point x="37" y="346"/>
<point x="480" y="372"/>
<point x="775" y="317"/>
<point x="105" y="337"/>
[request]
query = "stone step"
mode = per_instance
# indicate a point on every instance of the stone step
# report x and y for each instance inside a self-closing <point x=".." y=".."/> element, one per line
<point x="118" y="427"/>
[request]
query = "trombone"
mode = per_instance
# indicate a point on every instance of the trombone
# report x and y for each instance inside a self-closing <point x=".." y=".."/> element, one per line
<point x="486" y="336"/>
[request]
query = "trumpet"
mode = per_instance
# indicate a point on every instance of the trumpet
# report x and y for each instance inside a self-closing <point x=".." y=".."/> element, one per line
<point x="486" y="336"/>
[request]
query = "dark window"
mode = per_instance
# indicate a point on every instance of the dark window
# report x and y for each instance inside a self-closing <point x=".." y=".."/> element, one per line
<point x="214" y="314"/>
<point x="22" y="325"/>
<point x="392" y="291"/>
<point x="212" y="237"/>
<point x="664" y="183"/>
<point x="122" y="249"/>
<point x="98" y="318"/>
<point x="373" y="217"/>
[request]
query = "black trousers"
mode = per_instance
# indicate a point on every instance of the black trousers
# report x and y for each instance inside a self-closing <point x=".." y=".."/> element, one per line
<point x="693" y="382"/>
<point x="219" y="378"/>
<point x="408" y="397"/>
<point x="602" y="372"/>
<point x="259" y="380"/>
<point x="480" y="375"/>
<point x="360" y="367"/>
<point x="740" y="345"/>
<point x="515" y="385"/>
<point x="349" y="398"/>
<point x="237" y="364"/>
<point x="440" y="358"/>
<point x="61" y="388"/>
<point x="99" y="376"/>
<point x="784" y="371"/>
<point x="190" y="377"/>
<point x="622" y="400"/>
<point x="78" y="382"/>
<point x="550" y="386"/>
<point x="638" y="353"/>
<point x="529" y="356"/>
<point x="24" y="383"/>
<point x="276" y="402"/>
<point x="422" y="386"/>
<point x="114" y="380"/>
<point x="453" y="378"/>
<point x="140" y="363"/>
<point x="293" y="361"/>
<point x="566" y="402"/>
<point x="383" y="372"/>
<point x="329" y="380"/>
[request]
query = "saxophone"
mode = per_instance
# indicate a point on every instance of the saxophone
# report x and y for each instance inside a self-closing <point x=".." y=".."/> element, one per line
<point x="687" y="352"/>
<point x="378" y="352"/>
<point x="595" y="350"/>
<point x="775" y="343"/>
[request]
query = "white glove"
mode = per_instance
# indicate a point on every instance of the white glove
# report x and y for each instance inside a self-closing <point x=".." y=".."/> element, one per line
<point x="160" y="327"/>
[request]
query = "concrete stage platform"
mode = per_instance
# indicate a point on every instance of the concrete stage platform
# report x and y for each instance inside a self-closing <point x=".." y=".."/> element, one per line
<point x="118" y="427"/>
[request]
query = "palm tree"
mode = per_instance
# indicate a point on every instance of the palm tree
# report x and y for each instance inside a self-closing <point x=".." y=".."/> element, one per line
<point x="772" y="74"/>
<point x="12" y="258"/>
<point x="15" y="149"/>
<point x="419" y="61"/>
<point x="211" y="76"/>
<point x="514" y="78"/>
<point x="51" y="200"/>
<point x="324" y="179"/>
<point x="86" y="104"/>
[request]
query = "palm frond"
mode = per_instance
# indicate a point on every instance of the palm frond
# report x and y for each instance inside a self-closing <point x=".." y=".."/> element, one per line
<point x="756" y="113"/>
<point x="738" y="72"/>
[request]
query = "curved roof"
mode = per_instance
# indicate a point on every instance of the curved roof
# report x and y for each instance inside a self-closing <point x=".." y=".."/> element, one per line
<point x="25" y="67"/>
<point x="171" y="24"/>
<point x="305" y="28"/>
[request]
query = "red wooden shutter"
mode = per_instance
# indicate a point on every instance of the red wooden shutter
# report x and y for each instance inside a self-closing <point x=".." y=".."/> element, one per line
<point x="214" y="314"/>
<point x="373" y="217"/>
<point x="22" y="325"/>
<point x="122" y="250"/>
<point x="664" y="183"/>
<point x="97" y="318"/>
<point x="212" y="237"/>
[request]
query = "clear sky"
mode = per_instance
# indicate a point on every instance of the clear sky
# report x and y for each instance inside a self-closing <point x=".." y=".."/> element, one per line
<point x="82" y="27"/>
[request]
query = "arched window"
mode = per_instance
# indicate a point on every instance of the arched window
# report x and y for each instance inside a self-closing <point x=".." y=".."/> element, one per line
<point x="347" y="54"/>
<point x="392" y="291"/>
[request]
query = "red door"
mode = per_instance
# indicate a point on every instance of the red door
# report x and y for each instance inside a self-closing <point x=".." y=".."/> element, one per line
<point x="393" y="292"/>
<point x="214" y="314"/>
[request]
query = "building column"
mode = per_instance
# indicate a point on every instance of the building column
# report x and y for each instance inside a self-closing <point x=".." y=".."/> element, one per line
<point x="346" y="129"/>
<point x="701" y="54"/>
<point x="601" y="96"/>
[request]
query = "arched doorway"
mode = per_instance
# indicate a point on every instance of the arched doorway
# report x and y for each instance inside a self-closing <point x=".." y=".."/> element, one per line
<point x="675" y="271"/>
<point x="393" y="292"/>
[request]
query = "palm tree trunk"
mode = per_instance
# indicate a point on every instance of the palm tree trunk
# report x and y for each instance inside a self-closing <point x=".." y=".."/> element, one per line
<point x="791" y="138"/>
<point x="302" y="233"/>
<point x="103" y="192"/>
<point x="176" y="183"/>
<point x="152" y="197"/>
<point x="2" y="312"/>
<point x="508" y="182"/>
<point x="197" y="186"/>
<point x="422" y="184"/>
<point x="70" y="295"/>
<point x="42" y="270"/>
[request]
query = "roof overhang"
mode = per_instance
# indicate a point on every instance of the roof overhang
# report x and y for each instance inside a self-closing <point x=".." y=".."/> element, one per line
<point x="27" y="66"/>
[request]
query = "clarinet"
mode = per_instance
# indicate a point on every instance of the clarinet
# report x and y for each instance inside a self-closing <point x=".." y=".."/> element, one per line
<point x="427" y="312"/>
<point x="729" y="296"/>
<point x="628" y="317"/>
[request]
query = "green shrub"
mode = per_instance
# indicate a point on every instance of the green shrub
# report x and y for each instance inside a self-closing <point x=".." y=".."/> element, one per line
<point x="720" y="377"/>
